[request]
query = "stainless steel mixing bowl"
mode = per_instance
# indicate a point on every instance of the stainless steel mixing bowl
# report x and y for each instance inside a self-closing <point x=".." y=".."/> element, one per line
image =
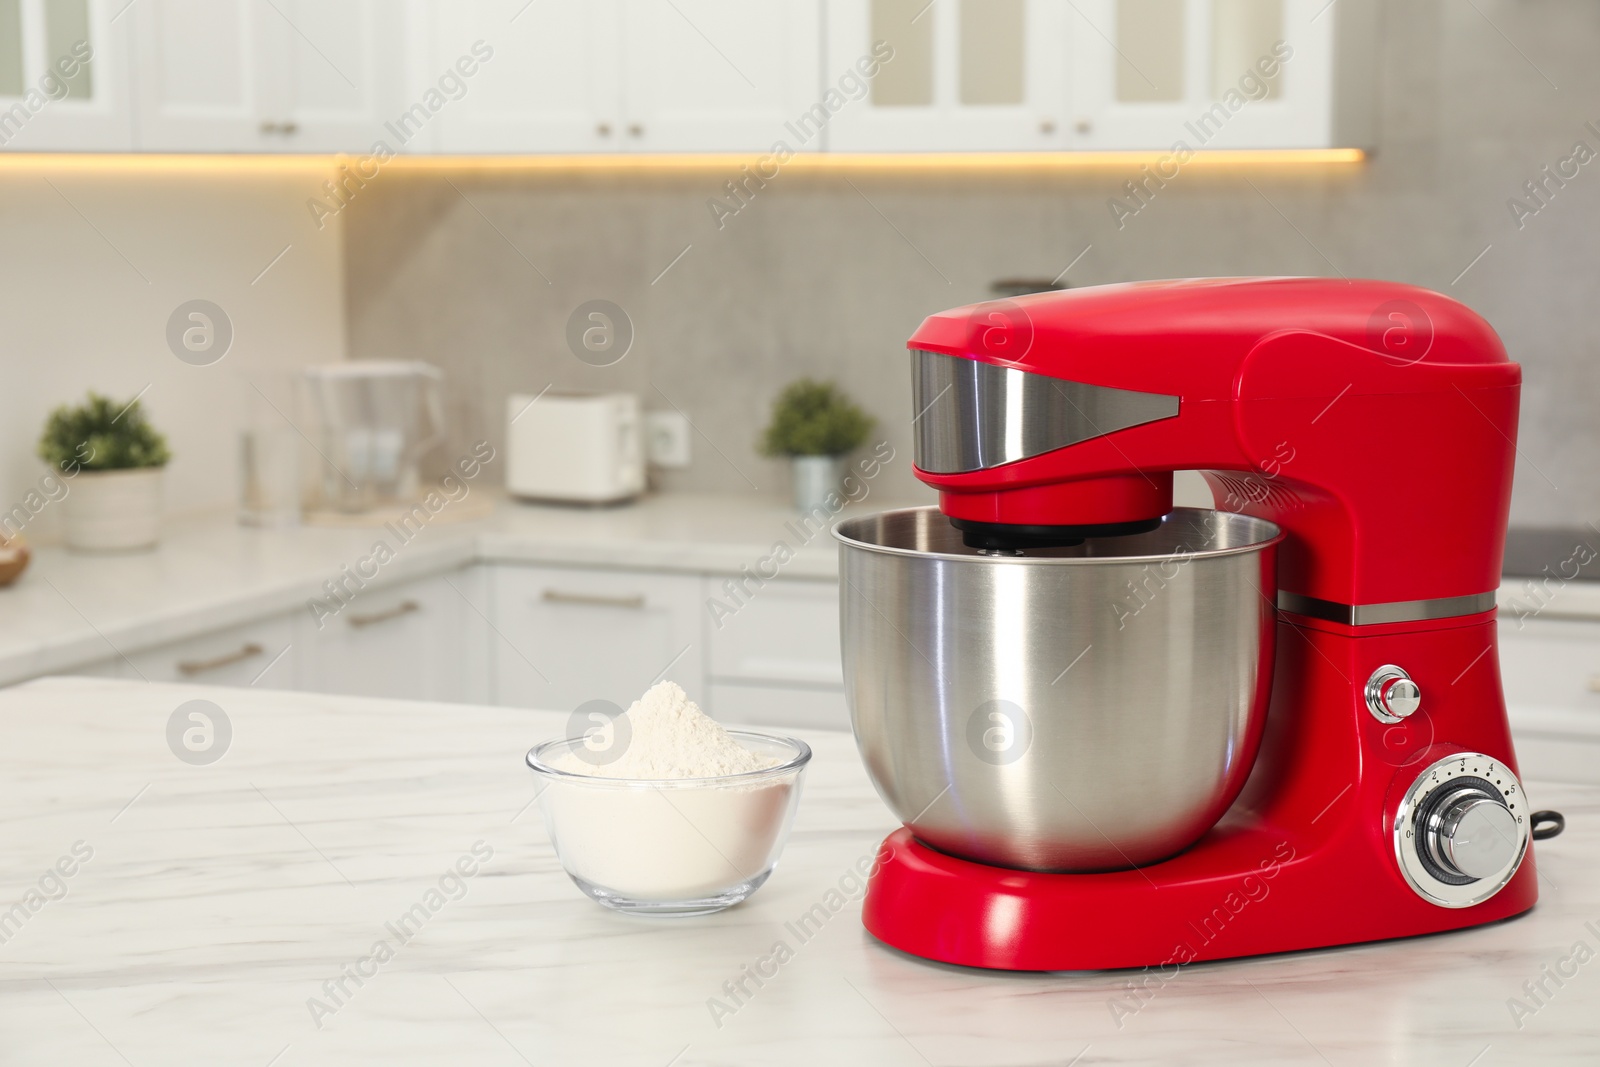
<point x="1070" y="709"/>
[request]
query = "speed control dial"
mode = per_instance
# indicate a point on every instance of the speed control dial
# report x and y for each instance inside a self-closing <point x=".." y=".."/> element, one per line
<point x="1462" y="830"/>
<point x="1471" y="833"/>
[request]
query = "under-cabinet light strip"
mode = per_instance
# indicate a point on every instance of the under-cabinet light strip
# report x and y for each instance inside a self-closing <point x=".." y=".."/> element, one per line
<point x="930" y="162"/>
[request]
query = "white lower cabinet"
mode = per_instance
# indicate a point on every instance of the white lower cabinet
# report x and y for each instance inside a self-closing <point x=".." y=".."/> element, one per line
<point x="779" y="705"/>
<point x="1551" y="672"/>
<point x="420" y="640"/>
<point x="539" y="637"/>
<point x="775" y="658"/>
<point x="260" y="653"/>
<point x="562" y="636"/>
<point x="1551" y="663"/>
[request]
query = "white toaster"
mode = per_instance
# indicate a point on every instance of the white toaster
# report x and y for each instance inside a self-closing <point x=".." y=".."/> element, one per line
<point x="585" y="448"/>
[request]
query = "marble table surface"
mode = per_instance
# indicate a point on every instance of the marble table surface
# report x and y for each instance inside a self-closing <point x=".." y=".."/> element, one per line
<point x="158" y="912"/>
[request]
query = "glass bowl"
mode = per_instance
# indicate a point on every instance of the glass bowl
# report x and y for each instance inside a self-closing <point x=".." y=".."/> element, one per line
<point x="677" y="846"/>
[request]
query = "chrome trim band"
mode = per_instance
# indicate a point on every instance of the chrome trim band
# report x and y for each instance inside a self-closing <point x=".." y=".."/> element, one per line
<point x="1395" y="611"/>
<point x="971" y="415"/>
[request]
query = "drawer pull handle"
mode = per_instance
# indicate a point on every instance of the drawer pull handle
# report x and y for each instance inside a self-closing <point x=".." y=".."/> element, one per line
<point x="1594" y="683"/>
<point x="555" y="596"/>
<point x="405" y="607"/>
<point x="200" y="666"/>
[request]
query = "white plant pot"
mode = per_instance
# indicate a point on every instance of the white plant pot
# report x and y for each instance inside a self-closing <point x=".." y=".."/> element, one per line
<point x="113" y="511"/>
<point x="815" y="477"/>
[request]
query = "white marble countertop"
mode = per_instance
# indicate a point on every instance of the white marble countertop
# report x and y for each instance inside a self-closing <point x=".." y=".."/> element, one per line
<point x="1539" y="599"/>
<point x="217" y="900"/>
<point x="70" y="609"/>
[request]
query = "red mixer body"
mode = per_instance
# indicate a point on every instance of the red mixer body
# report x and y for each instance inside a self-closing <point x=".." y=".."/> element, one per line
<point x="1376" y="424"/>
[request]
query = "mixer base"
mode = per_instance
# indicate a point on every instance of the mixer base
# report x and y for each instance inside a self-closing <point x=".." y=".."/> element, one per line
<point x="1245" y="891"/>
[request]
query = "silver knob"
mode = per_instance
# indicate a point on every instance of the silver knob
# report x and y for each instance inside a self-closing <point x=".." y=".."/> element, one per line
<point x="603" y="129"/>
<point x="1391" y="694"/>
<point x="1472" y="834"/>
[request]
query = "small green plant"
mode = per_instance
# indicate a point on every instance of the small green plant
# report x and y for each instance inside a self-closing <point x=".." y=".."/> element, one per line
<point x="100" y="435"/>
<point x="815" y="419"/>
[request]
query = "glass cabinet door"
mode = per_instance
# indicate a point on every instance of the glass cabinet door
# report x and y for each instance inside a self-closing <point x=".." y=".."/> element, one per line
<point x="952" y="74"/>
<point x="63" y="74"/>
<point x="972" y="75"/>
<point x="1209" y="74"/>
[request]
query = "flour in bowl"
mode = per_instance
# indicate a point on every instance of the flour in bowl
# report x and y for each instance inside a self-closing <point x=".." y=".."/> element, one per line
<point x="664" y="735"/>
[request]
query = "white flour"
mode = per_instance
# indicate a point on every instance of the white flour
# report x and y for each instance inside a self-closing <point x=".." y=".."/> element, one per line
<point x="678" y="840"/>
<point x="665" y="735"/>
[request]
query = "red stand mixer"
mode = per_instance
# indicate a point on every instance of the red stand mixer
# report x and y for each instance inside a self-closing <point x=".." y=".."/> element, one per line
<point x="1122" y="734"/>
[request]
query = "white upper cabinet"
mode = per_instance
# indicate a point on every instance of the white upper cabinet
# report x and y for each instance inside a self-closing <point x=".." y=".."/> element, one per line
<point x="629" y="75"/>
<point x="268" y="75"/>
<point x="1208" y="73"/>
<point x="64" y="76"/>
<point x="550" y="84"/>
<point x="719" y="75"/>
<point x="200" y="82"/>
<point x="641" y="76"/>
<point x="343" y="76"/>
<point x="1107" y="74"/>
<point x="952" y="74"/>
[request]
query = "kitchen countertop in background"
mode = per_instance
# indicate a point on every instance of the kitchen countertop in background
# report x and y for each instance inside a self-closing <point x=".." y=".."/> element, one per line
<point x="72" y="609"/>
<point x="1551" y="572"/>
<point x="219" y="900"/>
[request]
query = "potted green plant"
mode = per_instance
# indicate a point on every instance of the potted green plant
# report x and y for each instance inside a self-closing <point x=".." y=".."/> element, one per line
<point x="815" y="425"/>
<point x="112" y="459"/>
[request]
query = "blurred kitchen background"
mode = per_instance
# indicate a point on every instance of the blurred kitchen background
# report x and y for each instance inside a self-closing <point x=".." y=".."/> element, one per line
<point x="824" y="273"/>
<point x="552" y="153"/>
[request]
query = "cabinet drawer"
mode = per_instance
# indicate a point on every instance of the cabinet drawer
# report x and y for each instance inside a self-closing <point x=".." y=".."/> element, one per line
<point x="771" y="705"/>
<point x="421" y="640"/>
<point x="259" y="653"/>
<point x="786" y="632"/>
<point x="1551" y="663"/>
<point x="563" y="636"/>
<point x="1545" y="757"/>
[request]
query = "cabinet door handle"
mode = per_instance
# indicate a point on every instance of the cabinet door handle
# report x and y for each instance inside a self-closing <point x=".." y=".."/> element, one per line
<point x="636" y="130"/>
<point x="269" y="126"/>
<point x="200" y="666"/>
<point x="555" y="596"/>
<point x="405" y="607"/>
<point x="603" y="129"/>
<point x="1594" y="683"/>
<point x="289" y="127"/>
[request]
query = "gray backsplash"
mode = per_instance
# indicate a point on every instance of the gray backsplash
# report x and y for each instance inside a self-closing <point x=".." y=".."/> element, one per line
<point x="827" y="274"/>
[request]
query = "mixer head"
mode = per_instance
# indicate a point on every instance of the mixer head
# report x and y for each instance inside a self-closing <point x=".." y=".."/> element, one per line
<point x="1309" y="402"/>
<point x="978" y="415"/>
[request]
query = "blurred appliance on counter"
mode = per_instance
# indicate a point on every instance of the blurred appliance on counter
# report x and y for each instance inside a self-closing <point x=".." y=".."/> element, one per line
<point x="1005" y="288"/>
<point x="579" y="448"/>
<point x="372" y="422"/>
